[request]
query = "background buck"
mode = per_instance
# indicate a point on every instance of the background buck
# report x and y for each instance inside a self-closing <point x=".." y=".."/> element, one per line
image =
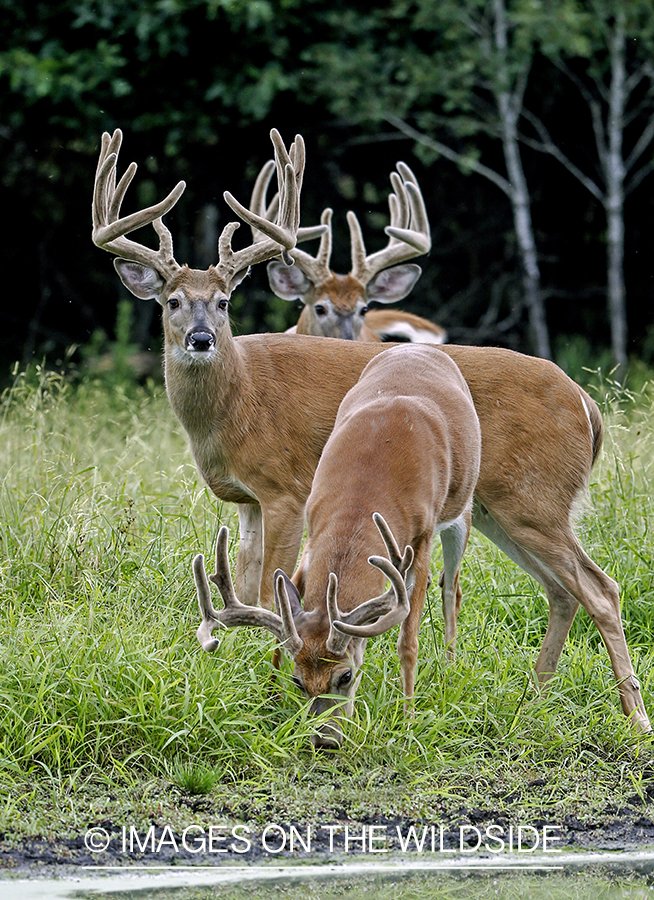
<point x="337" y="305"/>
<point x="404" y="457"/>
<point x="258" y="411"/>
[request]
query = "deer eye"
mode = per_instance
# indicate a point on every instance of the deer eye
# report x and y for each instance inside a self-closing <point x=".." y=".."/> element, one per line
<point x="363" y="310"/>
<point x="320" y="310"/>
<point x="345" y="678"/>
<point x="223" y="304"/>
<point x="173" y="303"/>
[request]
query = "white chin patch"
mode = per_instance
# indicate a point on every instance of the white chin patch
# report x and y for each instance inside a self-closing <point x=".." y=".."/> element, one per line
<point x="196" y="357"/>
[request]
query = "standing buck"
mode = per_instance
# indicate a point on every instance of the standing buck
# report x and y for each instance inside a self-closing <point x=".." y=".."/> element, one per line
<point x="259" y="409"/>
<point x="337" y="305"/>
<point x="404" y="457"/>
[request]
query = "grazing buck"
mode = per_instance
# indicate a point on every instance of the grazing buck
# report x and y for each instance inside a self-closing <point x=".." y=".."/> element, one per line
<point x="259" y="409"/>
<point x="404" y="457"/>
<point x="337" y="305"/>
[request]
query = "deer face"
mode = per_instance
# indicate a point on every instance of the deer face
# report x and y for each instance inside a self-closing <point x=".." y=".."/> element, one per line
<point x="195" y="315"/>
<point x="195" y="305"/>
<point x="335" y="306"/>
<point x="330" y="684"/>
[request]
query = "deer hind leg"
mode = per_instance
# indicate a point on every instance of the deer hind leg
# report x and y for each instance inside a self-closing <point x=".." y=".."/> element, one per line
<point x="599" y="595"/>
<point x="454" y="540"/>
<point x="247" y="574"/>
<point x="407" y="642"/>
<point x="552" y="554"/>
<point x="562" y="605"/>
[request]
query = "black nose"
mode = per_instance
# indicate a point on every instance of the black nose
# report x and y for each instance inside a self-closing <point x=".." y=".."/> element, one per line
<point x="328" y="737"/>
<point x="326" y="744"/>
<point x="200" y="341"/>
<point x="347" y="332"/>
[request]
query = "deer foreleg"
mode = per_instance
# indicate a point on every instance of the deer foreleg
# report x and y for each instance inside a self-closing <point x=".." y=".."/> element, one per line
<point x="407" y="642"/>
<point x="250" y="553"/>
<point x="454" y="541"/>
<point x="283" y="527"/>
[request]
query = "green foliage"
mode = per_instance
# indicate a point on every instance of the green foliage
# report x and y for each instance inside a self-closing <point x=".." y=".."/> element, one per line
<point x="193" y="778"/>
<point x="85" y="52"/>
<point x="59" y="75"/>
<point x="433" y="60"/>
<point x="595" y="369"/>
<point x="113" y="361"/>
<point x="333" y="71"/>
<point x="574" y="354"/>
<point x="583" y="28"/>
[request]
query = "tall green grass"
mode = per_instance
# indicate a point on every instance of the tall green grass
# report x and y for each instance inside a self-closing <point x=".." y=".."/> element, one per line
<point x="102" y="681"/>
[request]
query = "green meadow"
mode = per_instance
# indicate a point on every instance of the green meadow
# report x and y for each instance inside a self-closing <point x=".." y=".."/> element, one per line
<point x="111" y="711"/>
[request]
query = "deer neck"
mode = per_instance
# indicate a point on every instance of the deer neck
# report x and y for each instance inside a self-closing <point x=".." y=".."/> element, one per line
<point x="344" y="551"/>
<point x="210" y="399"/>
<point x="202" y="391"/>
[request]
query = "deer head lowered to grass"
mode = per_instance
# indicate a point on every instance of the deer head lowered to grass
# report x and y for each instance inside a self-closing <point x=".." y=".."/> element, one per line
<point x="338" y="305"/>
<point x="403" y="459"/>
<point x="259" y="409"/>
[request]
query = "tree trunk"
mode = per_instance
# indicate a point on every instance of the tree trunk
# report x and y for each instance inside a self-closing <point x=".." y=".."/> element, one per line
<point x="616" y="293"/>
<point x="521" y="205"/>
<point x="614" y="173"/>
<point x="509" y="105"/>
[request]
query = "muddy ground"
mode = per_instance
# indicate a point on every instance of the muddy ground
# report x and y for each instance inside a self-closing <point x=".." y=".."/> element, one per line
<point x="474" y="831"/>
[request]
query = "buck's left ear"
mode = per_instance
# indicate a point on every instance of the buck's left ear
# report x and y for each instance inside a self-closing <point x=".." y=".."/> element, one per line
<point x="393" y="284"/>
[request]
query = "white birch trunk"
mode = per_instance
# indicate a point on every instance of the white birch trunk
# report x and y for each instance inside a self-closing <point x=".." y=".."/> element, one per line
<point x="614" y="175"/>
<point x="509" y="106"/>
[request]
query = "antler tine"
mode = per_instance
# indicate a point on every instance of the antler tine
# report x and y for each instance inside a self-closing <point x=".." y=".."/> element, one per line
<point x="275" y="229"/>
<point x="298" y="154"/>
<point x="292" y="641"/>
<point x="398" y="203"/>
<point x="379" y="612"/>
<point x="304" y="233"/>
<point x="400" y="560"/>
<point x="109" y="230"/>
<point x="281" y="235"/>
<point x="418" y="235"/>
<point x="258" y="198"/>
<point x="282" y="231"/>
<point x="376" y="609"/>
<point x="408" y="232"/>
<point x="270" y="212"/>
<point x="210" y="618"/>
<point x="316" y="268"/>
<point x="337" y="640"/>
<point x="222" y="577"/>
<point x="235" y="613"/>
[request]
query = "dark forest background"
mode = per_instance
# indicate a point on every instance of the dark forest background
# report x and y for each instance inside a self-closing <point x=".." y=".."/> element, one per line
<point x="196" y="85"/>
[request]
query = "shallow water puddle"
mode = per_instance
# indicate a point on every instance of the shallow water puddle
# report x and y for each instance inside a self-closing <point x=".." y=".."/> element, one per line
<point x="597" y="876"/>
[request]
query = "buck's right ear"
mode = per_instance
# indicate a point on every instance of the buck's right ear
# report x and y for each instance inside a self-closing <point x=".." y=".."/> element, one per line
<point x="143" y="281"/>
<point x="288" y="282"/>
<point x="291" y="592"/>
